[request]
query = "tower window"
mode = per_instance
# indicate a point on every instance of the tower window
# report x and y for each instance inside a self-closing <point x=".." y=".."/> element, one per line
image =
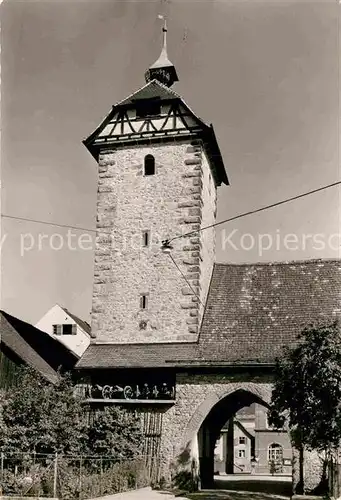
<point x="149" y="165"/>
<point x="145" y="238"/>
<point x="143" y="301"/>
<point x="145" y="108"/>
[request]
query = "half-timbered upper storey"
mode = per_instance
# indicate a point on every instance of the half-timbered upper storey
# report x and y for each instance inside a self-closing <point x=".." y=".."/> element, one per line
<point x="155" y="113"/>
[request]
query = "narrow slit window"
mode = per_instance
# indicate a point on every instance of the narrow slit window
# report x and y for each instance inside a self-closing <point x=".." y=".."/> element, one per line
<point x="145" y="238"/>
<point x="143" y="301"/>
<point x="149" y="165"/>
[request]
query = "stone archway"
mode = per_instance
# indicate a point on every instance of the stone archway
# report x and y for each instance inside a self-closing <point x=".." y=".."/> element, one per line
<point x="260" y="391"/>
<point x="196" y="397"/>
<point x="187" y="449"/>
<point x="210" y="429"/>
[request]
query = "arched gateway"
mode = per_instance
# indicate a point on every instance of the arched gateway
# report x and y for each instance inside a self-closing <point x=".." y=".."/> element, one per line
<point x="181" y="338"/>
<point x="199" y="438"/>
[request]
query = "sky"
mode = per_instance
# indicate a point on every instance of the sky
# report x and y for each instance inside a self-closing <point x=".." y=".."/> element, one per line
<point x="265" y="73"/>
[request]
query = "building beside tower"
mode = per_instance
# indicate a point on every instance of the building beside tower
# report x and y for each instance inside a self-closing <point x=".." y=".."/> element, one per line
<point x="22" y="344"/>
<point x="186" y="341"/>
<point x="258" y="448"/>
<point x="65" y="326"/>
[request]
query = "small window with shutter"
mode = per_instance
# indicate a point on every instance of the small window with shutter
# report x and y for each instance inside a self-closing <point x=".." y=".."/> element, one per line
<point x="57" y="329"/>
<point x="67" y="329"/>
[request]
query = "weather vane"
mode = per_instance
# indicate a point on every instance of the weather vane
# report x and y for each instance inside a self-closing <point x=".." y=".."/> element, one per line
<point x="160" y="16"/>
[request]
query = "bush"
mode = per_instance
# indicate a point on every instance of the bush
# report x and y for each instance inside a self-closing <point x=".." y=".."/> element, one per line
<point x="184" y="480"/>
<point x="9" y="485"/>
<point x="42" y="419"/>
<point x="94" y="481"/>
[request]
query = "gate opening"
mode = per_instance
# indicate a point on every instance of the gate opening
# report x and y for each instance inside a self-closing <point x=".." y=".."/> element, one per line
<point x="238" y="449"/>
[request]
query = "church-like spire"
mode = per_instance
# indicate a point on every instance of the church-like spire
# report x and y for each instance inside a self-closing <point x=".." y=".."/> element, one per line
<point x="162" y="70"/>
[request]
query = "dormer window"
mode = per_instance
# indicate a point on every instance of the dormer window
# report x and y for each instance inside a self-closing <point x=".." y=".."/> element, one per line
<point x="146" y="108"/>
<point x="149" y="165"/>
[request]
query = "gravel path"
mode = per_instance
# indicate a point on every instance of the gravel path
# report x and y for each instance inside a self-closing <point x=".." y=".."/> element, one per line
<point x="141" y="494"/>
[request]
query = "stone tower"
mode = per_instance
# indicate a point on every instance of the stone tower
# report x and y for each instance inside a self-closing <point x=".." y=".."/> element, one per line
<point x="158" y="169"/>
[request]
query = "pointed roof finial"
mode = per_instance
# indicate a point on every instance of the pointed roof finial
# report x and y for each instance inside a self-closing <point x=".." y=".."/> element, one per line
<point x="162" y="70"/>
<point x="164" y="31"/>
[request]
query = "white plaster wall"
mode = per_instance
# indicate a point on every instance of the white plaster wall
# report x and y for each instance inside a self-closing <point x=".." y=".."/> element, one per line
<point x="57" y="316"/>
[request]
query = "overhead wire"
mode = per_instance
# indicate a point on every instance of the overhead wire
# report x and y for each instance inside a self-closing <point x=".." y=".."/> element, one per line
<point x="166" y="243"/>
<point x="251" y="212"/>
<point x="239" y="216"/>
<point x="184" y="277"/>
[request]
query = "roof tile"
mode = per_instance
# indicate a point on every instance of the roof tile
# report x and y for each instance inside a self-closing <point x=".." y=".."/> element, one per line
<point x="252" y="311"/>
<point x="35" y="347"/>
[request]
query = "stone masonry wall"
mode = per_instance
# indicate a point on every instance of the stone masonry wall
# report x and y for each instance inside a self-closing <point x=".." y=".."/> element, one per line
<point x="312" y="470"/>
<point x="195" y="397"/>
<point x="207" y="237"/>
<point x="167" y="204"/>
<point x="313" y="466"/>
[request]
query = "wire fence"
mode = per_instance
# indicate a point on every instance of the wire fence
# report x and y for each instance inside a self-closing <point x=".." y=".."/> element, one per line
<point x="71" y="477"/>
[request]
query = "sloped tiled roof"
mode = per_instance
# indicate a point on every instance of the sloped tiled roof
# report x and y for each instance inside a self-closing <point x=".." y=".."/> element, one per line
<point x="11" y="339"/>
<point x="247" y="411"/>
<point x="35" y="347"/>
<point x="149" y="91"/>
<point x="135" y="355"/>
<point x="83" y="324"/>
<point x="156" y="90"/>
<point x="250" y="433"/>
<point x="252" y="311"/>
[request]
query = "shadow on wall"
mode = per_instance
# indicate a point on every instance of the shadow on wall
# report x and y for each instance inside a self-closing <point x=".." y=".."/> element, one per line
<point x="185" y="471"/>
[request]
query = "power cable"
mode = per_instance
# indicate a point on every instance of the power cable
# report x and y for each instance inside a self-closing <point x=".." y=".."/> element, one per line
<point x="184" y="277"/>
<point x="37" y="221"/>
<point x="251" y="212"/>
<point x="167" y="248"/>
